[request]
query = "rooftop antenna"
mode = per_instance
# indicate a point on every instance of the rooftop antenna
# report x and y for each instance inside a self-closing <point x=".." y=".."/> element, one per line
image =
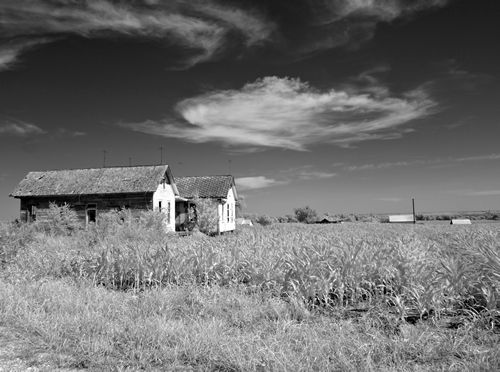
<point x="104" y="152"/>
<point x="161" y="154"/>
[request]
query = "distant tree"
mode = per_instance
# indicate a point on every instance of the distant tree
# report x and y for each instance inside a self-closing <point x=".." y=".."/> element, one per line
<point x="305" y="214"/>
<point x="287" y="219"/>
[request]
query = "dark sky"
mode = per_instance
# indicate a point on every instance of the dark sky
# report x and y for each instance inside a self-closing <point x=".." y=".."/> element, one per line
<point x="346" y="106"/>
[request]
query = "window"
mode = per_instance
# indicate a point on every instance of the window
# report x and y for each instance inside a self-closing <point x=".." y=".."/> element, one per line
<point x="228" y="215"/>
<point x="91" y="213"/>
<point x="159" y="206"/>
<point x="168" y="212"/>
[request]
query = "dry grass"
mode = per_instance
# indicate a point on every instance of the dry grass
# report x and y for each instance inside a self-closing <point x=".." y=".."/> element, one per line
<point x="283" y="297"/>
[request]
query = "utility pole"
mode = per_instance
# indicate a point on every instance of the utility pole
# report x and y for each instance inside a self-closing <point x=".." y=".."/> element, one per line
<point x="413" y="207"/>
<point x="104" y="152"/>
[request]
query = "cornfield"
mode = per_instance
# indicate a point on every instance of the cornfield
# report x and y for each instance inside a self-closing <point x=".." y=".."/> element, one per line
<point x="415" y="270"/>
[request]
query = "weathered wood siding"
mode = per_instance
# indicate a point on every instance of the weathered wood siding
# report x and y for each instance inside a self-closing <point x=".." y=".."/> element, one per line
<point x="104" y="203"/>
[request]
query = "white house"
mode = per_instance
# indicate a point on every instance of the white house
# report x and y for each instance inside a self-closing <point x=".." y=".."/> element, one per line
<point x="220" y="189"/>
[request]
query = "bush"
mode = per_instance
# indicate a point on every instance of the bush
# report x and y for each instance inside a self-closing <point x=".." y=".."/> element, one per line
<point x="265" y="220"/>
<point x="207" y="219"/>
<point x="287" y="219"/>
<point x="305" y="214"/>
<point x="60" y="220"/>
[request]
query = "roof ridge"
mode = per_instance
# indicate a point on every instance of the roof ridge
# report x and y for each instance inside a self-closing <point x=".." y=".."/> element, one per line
<point x="209" y="175"/>
<point x="111" y="167"/>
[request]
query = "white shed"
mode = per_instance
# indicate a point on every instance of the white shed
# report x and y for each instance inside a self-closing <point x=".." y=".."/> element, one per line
<point x="401" y="218"/>
<point x="463" y="221"/>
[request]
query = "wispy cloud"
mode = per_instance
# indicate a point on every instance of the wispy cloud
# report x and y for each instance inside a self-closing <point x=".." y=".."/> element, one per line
<point x="10" y="51"/>
<point x="202" y="26"/>
<point x="306" y="172"/>
<point x="19" y="128"/>
<point x="492" y="156"/>
<point x="351" y="22"/>
<point x="306" y="175"/>
<point x="256" y="182"/>
<point x="432" y="161"/>
<point x="63" y="132"/>
<point x="283" y="177"/>
<point x="207" y="27"/>
<point x="288" y="113"/>
<point x="476" y="192"/>
<point x="385" y="165"/>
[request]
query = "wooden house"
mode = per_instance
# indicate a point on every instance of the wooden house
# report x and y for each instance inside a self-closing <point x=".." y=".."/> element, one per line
<point x="220" y="189"/>
<point x="96" y="190"/>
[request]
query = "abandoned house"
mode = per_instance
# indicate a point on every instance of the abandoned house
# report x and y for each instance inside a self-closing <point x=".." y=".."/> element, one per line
<point x="220" y="189"/>
<point x="98" y="190"/>
<point x="95" y="190"/>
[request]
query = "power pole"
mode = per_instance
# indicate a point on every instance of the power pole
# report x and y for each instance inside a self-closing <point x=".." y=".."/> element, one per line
<point x="413" y="207"/>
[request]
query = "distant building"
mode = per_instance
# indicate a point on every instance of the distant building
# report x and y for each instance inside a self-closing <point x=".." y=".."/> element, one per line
<point x="463" y="221"/>
<point x="401" y="218"/>
<point x="98" y="190"/>
<point x="327" y="219"/>
<point x="244" y="221"/>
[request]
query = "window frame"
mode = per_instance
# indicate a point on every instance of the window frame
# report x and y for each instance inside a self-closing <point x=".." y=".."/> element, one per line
<point x="90" y="207"/>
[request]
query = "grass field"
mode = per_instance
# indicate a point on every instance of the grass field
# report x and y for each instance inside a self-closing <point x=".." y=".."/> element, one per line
<point x="123" y="296"/>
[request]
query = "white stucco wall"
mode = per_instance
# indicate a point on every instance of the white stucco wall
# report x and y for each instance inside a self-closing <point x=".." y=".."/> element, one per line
<point x="222" y="210"/>
<point x="165" y="194"/>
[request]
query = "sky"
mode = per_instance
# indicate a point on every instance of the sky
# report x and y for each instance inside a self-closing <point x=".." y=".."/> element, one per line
<point x="342" y="105"/>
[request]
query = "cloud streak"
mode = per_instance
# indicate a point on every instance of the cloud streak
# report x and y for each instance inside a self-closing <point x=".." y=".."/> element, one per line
<point x="331" y="24"/>
<point x="287" y="113"/>
<point x="19" y="128"/>
<point x="10" y="51"/>
<point x="202" y="26"/>
<point x="256" y="182"/>
<point x="206" y="27"/>
<point x="409" y="163"/>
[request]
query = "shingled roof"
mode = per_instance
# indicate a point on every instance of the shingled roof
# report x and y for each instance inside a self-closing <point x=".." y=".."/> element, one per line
<point x="204" y="186"/>
<point x="91" y="181"/>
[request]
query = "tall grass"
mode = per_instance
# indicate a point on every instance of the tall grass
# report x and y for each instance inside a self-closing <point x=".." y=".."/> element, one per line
<point x="418" y="268"/>
<point x="126" y="286"/>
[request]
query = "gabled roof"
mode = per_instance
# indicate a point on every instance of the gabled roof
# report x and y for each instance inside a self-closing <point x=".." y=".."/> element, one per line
<point x="91" y="181"/>
<point x="205" y="186"/>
